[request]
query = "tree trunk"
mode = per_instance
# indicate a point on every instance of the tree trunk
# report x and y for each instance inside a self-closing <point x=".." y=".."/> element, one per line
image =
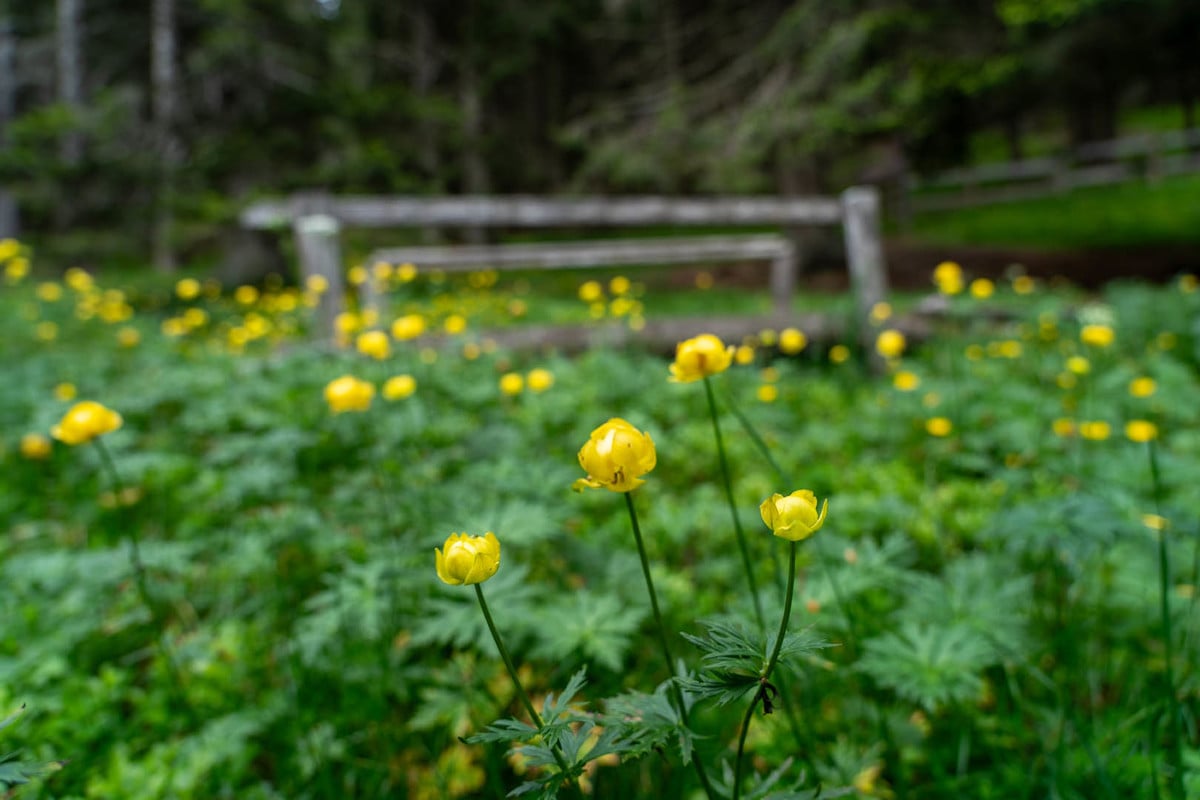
<point x="8" y="110"/>
<point x="164" y="100"/>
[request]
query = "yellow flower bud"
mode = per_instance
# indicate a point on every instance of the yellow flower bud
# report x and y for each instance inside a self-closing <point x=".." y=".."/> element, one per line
<point x="792" y="341"/>
<point x="615" y="457"/>
<point x="35" y="447"/>
<point x="948" y="277"/>
<point x="699" y="357"/>
<point x="399" y="387"/>
<point x="374" y="344"/>
<point x="85" y="421"/>
<point x="1140" y="430"/>
<point x="511" y="383"/>
<point x="539" y="380"/>
<point x="348" y="393"/>
<point x="938" y="426"/>
<point x="410" y="326"/>
<point x="464" y="560"/>
<point x="187" y="289"/>
<point x="982" y="288"/>
<point x="793" y="517"/>
<point x="1096" y="335"/>
<point x="1142" y="387"/>
<point x="890" y="343"/>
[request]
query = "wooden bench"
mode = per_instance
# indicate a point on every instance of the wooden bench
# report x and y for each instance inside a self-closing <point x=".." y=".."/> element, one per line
<point x="317" y="219"/>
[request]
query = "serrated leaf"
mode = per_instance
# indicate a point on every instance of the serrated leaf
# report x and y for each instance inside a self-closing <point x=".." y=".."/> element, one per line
<point x="931" y="665"/>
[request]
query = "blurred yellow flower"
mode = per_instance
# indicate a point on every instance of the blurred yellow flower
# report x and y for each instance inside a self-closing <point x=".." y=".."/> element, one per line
<point x="948" y="277"/>
<point x="767" y="393"/>
<point x="245" y="295"/>
<point x="839" y="354"/>
<point x="881" y="312"/>
<point x="35" y="447"/>
<point x="317" y="284"/>
<point x="128" y="337"/>
<point x="704" y="280"/>
<point x="973" y="352"/>
<point x="890" y="343"/>
<point x="471" y="351"/>
<point x="791" y="341"/>
<point x="399" y="387"/>
<point x="1079" y="365"/>
<point x="406" y="273"/>
<point x="357" y="275"/>
<point x="382" y="270"/>
<point x="348" y="393"/>
<point x="539" y="380"/>
<point x="1066" y="380"/>
<point x="795" y="516"/>
<point x="1155" y="522"/>
<point x="464" y="560"/>
<point x="511" y="383"/>
<point x="454" y="324"/>
<point x="374" y="344"/>
<point x="619" y="285"/>
<point x="769" y="374"/>
<point x="49" y="292"/>
<point x="699" y="357"/>
<point x="1023" y="284"/>
<point x="78" y="279"/>
<point x="1095" y="430"/>
<point x="1142" y="387"/>
<point x="1140" y="430"/>
<point x="1187" y="283"/>
<point x="615" y="457"/>
<point x="744" y="354"/>
<point x="410" y="326"/>
<point x="1096" y="335"/>
<point x="9" y="248"/>
<point x="591" y="291"/>
<point x="347" y="323"/>
<point x="938" y="426"/>
<point x="905" y="381"/>
<point x="187" y="289"/>
<point x="46" y="331"/>
<point x="64" y="392"/>
<point x="982" y="288"/>
<point x="85" y="421"/>
<point x="1063" y="427"/>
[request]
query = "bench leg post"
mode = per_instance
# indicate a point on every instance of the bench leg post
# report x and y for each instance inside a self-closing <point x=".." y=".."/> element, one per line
<point x="864" y="254"/>
<point x="319" y="248"/>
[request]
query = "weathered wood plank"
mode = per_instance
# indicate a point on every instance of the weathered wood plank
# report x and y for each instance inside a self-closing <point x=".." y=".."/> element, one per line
<point x="864" y="254"/>
<point x="317" y="239"/>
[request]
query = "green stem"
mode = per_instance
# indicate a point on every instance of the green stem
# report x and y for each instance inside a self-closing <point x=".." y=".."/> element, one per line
<point x="1174" y="726"/>
<point x="676" y="694"/>
<point x="766" y="673"/>
<point x="737" y="523"/>
<point x="765" y="452"/>
<point x="512" y="672"/>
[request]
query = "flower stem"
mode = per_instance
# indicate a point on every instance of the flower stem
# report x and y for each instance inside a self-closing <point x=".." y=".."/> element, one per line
<point x="1174" y="726"/>
<point x="737" y="523"/>
<point x="676" y="694"/>
<point x="766" y="673"/>
<point x="512" y="672"/>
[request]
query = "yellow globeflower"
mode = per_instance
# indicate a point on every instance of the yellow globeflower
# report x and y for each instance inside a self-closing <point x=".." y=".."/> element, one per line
<point x="49" y="292"/>
<point x="1079" y="365"/>
<point x="539" y="380"/>
<point x="1096" y="335"/>
<point x="410" y="326"/>
<point x="79" y="279"/>
<point x="949" y="277"/>
<point x="890" y="343"/>
<point x="839" y="354"/>
<point x="64" y="392"/>
<point x="85" y="421"/>
<point x="247" y="295"/>
<point x="982" y="288"/>
<point x="35" y="447"/>
<point x="187" y="289"/>
<point x="905" y="381"/>
<point x="1142" y="387"/>
<point x="464" y="560"/>
<point x="1063" y="427"/>
<point x="1095" y="430"/>
<point x="615" y="457"/>
<point x="744" y="355"/>
<point x="1140" y="430"/>
<point x="939" y="426"/>
<point x="795" y="516"/>
<point x="881" y="312"/>
<point x="317" y="284"/>
<point x="1023" y="284"/>
<point x="792" y="341"/>
<point x="767" y="393"/>
<point x="700" y="357"/>
<point x="619" y="285"/>
<point x="591" y="291"/>
<point x="511" y="383"/>
<point x="357" y="275"/>
<point x="455" y="324"/>
<point x="399" y="387"/>
<point x="348" y="393"/>
<point x="374" y="344"/>
<point x="1188" y="283"/>
<point x="406" y="273"/>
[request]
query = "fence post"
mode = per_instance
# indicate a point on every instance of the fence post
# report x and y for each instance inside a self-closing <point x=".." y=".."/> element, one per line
<point x="783" y="278"/>
<point x="319" y="248"/>
<point x="864" y="256"/>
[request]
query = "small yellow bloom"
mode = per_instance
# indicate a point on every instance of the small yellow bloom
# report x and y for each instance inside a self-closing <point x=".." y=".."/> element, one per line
<point x="347" y="323"/>
<point x="406" y="273"/>
<point x="1066" y="380"/>
<point x="905" y="381"/>
<point x="464" y="560"/>
<point x="1155" y="522"/>
<point x="795" y="516"/>
<point x="792" y="341"/>
<point x="1063" y="427"/>
<point x="454" y="324"/>
<point x="1023" y="284"/>
<point x="317" y="284"/>
<point x="1142" y="387"/>
<point x="46" y="331"/>
<point x="881" y="312"/>
<point x="890" y="343"/>
<point x="591" y="291"/>
<point x="80" y="280"/>
<point x="64" y="392"/>
<point x="511" y="383"/>
<point x="744" y="355"/>
<point x="374" y="344"/>
<point x="539" y="380"/>
<point x="399" y="387"/>
<point x="1009" y="348"/>
<point x="865" y="781"/>
<point x="187" y="289"/>
<point x="982" y="288"/>
<point x="1079" y="365"/>
<point x="245" y="295"/>
<point x="615" y="457"/>
<point x="1095" y="430"/>
<point x="1140" y="430"/>
<point x="348" y="393"/>
<point x="767" y="393"/>
<point x="700" y="357"/>
<point x="410" y="326"/>
<point x="357" y="275"/>
<point x="949" y="277"/>
<point x="619" y="285"/>
<point x="973" y="352"/>
<point x="49" y="292"/>
<point x="839" y="354"/>
<point x="1187" y="283"/>
<point x="1096" y="335"/>
<point x="769" y="375"/>
<point x="85" y="421"/>
<point x="35" y="447"/>
<point x="938" y="426"/>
